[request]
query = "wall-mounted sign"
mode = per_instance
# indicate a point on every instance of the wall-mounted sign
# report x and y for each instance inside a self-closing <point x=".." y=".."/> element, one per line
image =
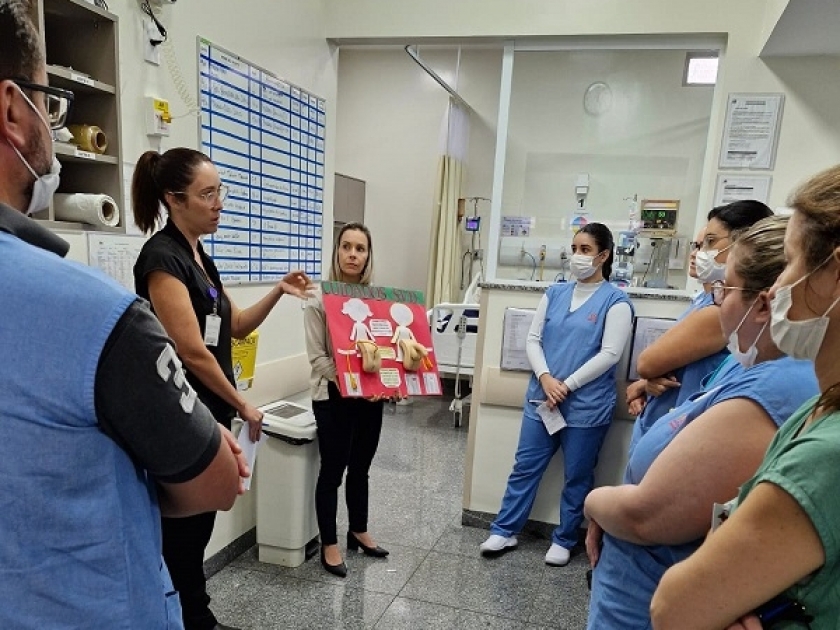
<point x="751" y="131"/>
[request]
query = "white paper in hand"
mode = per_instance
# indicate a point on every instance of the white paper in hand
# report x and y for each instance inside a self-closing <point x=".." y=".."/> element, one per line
<point x="552" y="418"/>
<point x="249" y="451"/>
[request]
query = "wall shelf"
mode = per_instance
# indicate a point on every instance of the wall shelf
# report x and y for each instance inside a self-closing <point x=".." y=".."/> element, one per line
<point x="72" y="153"/>
<point x="78" y="83"/>
<point x="82" y="45"/>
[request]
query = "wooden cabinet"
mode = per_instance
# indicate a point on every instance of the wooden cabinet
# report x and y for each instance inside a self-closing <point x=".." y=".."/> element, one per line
<point x="82" y="46"/>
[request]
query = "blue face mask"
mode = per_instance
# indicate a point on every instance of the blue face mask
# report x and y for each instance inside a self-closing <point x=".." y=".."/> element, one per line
<point x="45" y="185"/>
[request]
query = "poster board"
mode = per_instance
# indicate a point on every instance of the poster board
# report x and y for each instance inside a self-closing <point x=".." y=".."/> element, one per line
<point x="266" y="137"/>
<point x="380" y="317"/>
<point x="517" y="322"/>
<point x="646" y="331"/>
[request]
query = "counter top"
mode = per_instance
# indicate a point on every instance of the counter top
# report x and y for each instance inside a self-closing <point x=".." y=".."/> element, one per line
<point x="679" y="295"/>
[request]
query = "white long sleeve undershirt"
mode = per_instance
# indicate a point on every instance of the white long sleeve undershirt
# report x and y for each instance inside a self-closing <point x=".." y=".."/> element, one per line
<point x="617" y="327"/>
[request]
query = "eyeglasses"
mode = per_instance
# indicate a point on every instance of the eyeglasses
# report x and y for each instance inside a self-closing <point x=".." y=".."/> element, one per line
<point x="711" y="240"/>
<point x="210" y="197"/>
<point x="720" y="291"/>
<point x="56" y="100"/>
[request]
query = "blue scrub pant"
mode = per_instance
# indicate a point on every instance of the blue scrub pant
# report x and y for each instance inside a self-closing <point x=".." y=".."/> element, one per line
<point x="536" y="448"/>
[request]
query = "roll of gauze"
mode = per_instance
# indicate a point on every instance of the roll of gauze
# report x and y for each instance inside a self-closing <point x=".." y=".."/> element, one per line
<point x="93" y="209"/>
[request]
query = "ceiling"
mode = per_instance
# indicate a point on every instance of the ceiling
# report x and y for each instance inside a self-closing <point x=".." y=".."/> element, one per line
<point x="806" y="27"/>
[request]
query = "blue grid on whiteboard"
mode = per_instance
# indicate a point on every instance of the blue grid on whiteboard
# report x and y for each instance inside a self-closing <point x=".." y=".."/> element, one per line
<point x="266" y="137"/>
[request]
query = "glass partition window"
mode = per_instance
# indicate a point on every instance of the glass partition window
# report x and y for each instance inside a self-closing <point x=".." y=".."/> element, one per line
<point x="590" y="134"/>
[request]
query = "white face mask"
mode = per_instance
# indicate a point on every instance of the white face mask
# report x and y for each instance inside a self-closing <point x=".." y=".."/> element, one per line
<point x="800" y="339"/>
<point x="708" y="269"/>
<point x="746" y="358"/>
<point x="45" y="185"/>
<point x="581" y="266"/>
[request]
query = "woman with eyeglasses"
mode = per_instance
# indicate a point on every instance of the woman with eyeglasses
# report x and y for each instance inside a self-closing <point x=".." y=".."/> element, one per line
<point x="673" y="367"/>
<point x="783" y="531"/>
<point x="701" y="452"/>
<point x="186" y="293"/>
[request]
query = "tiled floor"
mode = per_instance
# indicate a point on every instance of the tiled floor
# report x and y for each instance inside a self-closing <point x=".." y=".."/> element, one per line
<point x="434" y="577"/>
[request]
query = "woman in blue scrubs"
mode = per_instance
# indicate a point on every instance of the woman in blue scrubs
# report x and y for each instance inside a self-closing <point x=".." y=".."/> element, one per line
<point x="674" y="366"/>
<point x="702" y="451"/>
<point x="577" y="336"/>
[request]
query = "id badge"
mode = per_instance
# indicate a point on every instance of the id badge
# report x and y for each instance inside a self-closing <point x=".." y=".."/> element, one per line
<point x="721" y="512"/>
<point x="212" y="328"/>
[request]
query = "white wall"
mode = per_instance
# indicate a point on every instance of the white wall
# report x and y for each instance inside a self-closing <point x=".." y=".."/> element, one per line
<point x="288" y="41"/>
<point x="391" y="125"/>
<point x="388" y="134"/>
<point x="810" y="135"/>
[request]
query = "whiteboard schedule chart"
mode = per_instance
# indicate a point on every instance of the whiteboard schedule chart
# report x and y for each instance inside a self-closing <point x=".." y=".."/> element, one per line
<point x="266" y="137"/>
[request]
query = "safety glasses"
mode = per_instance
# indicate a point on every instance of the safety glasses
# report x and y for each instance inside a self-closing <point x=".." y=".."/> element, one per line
<point x="57" y="101"/>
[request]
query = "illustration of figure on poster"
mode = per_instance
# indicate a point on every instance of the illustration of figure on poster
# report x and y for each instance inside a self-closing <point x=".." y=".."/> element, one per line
<point x="403" y="317"/>
<point x="364" y="336"/>
<point x="358" y="311"/>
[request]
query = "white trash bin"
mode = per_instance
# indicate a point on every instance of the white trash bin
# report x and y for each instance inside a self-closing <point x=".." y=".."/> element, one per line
<point x="287" y="467"/>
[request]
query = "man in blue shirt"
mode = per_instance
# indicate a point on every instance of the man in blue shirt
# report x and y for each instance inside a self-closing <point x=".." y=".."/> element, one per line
<point x="99" y="431"/>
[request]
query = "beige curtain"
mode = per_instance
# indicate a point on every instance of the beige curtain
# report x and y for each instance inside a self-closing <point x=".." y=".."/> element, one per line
<point x="445" y="244"/>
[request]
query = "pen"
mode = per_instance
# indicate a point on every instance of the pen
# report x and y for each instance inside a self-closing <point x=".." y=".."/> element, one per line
<point x="537" y="402"/>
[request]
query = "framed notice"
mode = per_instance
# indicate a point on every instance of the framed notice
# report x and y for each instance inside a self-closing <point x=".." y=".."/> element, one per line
<point x="751" y="131"/>
<point x="647" y="330"/>
<point x="515" y="329"/>
<point x="115" y="255"/>
<point x="734" y="187"/>
<point x="381" y="341"/>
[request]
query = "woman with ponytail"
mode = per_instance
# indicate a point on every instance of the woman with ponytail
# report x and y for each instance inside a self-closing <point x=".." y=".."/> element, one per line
<point x="186" y="293"/>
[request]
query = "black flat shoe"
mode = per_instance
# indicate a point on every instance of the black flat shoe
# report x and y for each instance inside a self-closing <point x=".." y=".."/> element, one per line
<point x="354" y="544"/>
<point x="336" y="569"/>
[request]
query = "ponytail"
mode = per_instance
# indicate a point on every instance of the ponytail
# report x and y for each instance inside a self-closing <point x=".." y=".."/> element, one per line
<point x="157" y="174"/>
<point x="145" y="195"/>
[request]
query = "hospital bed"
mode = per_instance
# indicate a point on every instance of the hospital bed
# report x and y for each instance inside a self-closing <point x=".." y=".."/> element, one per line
<point x="454" y="334"/>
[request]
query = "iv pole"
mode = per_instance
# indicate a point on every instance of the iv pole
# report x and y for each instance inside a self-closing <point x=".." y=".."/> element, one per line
<point x="472" y="252"/>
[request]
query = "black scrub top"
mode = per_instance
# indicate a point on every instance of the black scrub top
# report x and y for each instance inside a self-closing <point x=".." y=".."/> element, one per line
<point x="168" y="250"/>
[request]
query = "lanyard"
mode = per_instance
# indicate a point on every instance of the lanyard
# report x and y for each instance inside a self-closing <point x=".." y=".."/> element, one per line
<point x="214" y="295"/>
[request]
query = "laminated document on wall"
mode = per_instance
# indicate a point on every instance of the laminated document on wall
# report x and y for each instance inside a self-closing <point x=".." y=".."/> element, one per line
<point x="115" y="255"/>
<point x="515" y="329"/>
<point x="647" y="330"/>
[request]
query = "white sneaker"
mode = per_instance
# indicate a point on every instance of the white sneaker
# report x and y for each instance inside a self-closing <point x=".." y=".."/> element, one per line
<point x="557" y="556"/>
<point x="496" y="544"/>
